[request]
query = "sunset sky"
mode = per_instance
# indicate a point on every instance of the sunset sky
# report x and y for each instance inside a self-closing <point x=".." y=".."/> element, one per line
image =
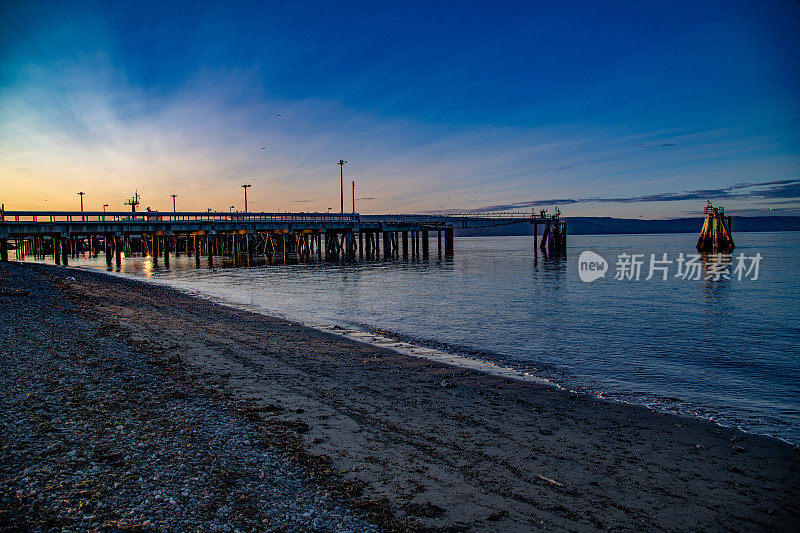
<point x="621" y="109"/>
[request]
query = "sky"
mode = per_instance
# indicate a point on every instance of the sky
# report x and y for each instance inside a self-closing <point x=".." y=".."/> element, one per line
<point x="622" y="109"/>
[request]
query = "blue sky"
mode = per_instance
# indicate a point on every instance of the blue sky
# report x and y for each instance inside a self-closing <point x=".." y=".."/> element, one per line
<point x="604" y="108"/>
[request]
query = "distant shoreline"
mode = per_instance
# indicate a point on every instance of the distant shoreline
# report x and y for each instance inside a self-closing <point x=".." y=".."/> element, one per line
<point x="633" y="226"/>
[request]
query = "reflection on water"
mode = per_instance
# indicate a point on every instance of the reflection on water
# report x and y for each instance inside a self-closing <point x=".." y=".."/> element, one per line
<point x="725" y="349"/>
<point x="716" y="280"/>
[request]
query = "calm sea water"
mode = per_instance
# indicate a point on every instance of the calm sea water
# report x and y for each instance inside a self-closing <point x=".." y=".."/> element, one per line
<point x="727" y="350"/>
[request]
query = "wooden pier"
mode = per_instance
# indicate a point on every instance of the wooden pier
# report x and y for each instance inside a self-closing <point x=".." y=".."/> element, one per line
<point x="245" y="236"/>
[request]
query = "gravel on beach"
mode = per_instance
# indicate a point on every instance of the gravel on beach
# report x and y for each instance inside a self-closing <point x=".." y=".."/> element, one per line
<point x="129" y="405"/>
<point x="96" y="434"/>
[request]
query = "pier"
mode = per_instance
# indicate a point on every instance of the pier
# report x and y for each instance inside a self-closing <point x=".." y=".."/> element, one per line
<point x="243" y="236"/>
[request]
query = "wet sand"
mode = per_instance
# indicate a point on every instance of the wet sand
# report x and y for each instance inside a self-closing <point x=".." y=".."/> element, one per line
<point x="439" y="447"/>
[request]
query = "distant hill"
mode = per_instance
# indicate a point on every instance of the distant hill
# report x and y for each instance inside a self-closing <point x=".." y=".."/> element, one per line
<point x="608" y="225"/>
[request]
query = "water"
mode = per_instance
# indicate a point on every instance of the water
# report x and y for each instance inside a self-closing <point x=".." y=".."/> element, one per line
<point x="725" y="350"/>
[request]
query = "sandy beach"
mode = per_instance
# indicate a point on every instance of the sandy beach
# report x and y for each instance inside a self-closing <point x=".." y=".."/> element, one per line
<point x="369" y="437"/>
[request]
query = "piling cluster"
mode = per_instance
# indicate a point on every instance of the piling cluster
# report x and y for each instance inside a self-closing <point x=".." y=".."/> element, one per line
<point x="716" y="234"/>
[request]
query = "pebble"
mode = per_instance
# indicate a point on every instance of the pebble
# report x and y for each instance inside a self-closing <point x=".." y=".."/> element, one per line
<point x="181" y="463"/>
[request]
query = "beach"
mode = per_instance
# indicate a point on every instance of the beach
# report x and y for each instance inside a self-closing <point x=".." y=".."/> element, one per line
<point x="133" y="405"/>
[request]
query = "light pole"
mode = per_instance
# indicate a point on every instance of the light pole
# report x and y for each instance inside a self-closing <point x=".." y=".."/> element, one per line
<point x="81" y="195"/>
<point x="173" y="201"/>
<point x="354" y="196"/>
<point x="245" y="195"/>
<point x="341" y="182"/>
<point x="104" y="211"/>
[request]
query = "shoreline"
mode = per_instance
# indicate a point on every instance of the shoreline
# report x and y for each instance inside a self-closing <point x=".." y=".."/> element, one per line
<point x="411" y="348"/>
<point x="483" y="452"/>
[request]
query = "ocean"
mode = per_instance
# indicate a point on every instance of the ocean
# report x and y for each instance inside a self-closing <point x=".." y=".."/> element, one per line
<point x="718" y="338"/>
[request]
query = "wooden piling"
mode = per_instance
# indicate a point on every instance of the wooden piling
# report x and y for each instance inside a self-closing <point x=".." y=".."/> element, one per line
<point x="425" y="243"/>
<point x="65" y="251"/>
<point x="448" y="241"/>
<point x="716" y="235"/>
<point x="545" y="234"/>
<point x="56" y="240"/>
<point x="165" y="241"/>
<point x="118" y="244"/>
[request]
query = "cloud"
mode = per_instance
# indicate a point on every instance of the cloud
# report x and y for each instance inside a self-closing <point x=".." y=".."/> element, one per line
<point x="661" y="145"/>
<point x="765" y="190"/>
<point x="86" y="127"/>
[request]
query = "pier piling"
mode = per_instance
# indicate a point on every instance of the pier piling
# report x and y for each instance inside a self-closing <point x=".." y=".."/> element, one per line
<point x="716" y="235"/>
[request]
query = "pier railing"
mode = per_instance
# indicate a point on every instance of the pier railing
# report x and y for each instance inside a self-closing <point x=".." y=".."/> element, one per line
<point x="166" y="216"/>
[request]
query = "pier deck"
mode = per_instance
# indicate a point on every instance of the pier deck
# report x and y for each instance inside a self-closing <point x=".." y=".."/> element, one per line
<point x="64" y="234"/>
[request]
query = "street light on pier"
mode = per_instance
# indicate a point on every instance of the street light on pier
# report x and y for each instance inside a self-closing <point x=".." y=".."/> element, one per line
<point x="173" y="201"/>
<point x="342" y="162"/>
<point x="81" y="195"/>
<point x="104" y="211"/>
<point x="354" y="196"/>
<point x="245" y="186"/>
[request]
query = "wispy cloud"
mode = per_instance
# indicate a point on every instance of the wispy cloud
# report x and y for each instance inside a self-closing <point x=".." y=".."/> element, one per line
<point x="85" y="127"/>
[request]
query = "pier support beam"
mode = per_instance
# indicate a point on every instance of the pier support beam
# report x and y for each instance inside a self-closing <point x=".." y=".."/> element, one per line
<point x="425" y="243"/>
<point x="65" y="251"/>
<point x="56" y="249"/>
<point x="165" y="242"/>
<point x="107" y="248"/>
<point x="448" y="241"/>
<point x="118" y="244"/>
<point x="4" y="250"/>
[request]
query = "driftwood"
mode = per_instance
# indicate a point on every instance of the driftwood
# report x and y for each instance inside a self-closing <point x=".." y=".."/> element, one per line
<point x="551" y="481"/>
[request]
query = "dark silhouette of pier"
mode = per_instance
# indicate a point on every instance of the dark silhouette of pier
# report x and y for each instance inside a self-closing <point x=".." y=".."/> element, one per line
<point x="349" y="236"/>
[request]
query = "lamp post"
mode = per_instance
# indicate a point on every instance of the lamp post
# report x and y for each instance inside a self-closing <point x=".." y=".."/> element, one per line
<point x="245" y="186"/>
<point x="341" y="182"/>
<point x="173" y="201"/>
<point x="104" y="211"/>
<point x="81" y="195"/>
<point x="354" y="196"/>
